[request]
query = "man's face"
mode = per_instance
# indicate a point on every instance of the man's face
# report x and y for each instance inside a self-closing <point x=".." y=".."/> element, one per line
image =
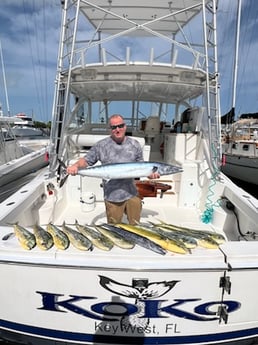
<point x="118" y="129"/>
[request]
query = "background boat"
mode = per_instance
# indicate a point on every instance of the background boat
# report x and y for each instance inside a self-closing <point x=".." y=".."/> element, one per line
<point x="239" y="137"/>
<point x="241" y="151"/>
<point x="17" y="160"/>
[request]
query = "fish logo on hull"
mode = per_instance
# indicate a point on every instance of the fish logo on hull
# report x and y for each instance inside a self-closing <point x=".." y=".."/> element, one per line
<point x="140" y="290"/>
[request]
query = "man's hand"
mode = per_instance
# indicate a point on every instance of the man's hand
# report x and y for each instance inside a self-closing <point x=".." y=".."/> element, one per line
<point x="154" y="176"/>
<point x="72" y="169"/>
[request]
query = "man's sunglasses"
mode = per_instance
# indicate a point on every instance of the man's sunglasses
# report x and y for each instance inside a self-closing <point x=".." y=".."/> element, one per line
<point x="117" y="126"/>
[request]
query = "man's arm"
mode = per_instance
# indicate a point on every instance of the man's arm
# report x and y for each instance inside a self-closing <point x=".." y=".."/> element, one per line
<point x="80" y="164"/>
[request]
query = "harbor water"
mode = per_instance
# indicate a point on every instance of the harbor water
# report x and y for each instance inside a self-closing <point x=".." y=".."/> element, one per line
<point x="248" y="187"/>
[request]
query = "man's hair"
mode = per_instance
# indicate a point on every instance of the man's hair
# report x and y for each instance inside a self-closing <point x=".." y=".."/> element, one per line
<point x="115" y="116"/>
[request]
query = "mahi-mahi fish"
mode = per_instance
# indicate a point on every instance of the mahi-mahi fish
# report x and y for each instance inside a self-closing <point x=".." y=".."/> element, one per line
<point x="77" y="239"/>
<point x="138" y="239"/>
<point x="129" y="170"/>
<point x="188" y="240"/>
<point x="170" y="244"/>
<point x="25" y="237"/>
<point x="60" y="239"/>
<point x="206" y="239"/>
<point x="98" y="239"/>
<point x="44" y="239"/>
<point x="118" y="240"/>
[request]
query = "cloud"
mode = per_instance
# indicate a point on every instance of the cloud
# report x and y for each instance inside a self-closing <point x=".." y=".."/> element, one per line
<point x="29" y="37"/>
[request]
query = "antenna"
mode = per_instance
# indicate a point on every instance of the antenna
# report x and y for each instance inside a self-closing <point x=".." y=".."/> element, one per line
<point x="5" y="86"/>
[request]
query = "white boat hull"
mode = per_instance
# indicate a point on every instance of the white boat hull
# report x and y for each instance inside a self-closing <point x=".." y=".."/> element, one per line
<point x="22" y="166"/>
<point x="73" y="298"/>
<point x="135" y="296"/>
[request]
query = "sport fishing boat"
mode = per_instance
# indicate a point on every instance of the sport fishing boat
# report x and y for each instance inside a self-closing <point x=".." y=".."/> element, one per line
<point x="241" y="151"/>
<point x="187" y="274"/>
<point x="17" y="160"/>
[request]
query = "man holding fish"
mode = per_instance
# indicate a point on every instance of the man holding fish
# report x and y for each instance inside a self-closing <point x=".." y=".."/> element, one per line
<point x="120" y="195"/>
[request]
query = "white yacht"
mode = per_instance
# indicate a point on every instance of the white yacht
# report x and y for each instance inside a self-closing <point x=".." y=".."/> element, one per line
<point x="155" y="62"/>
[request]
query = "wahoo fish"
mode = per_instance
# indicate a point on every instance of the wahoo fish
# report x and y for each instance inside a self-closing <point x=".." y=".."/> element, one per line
<point x="77" y="239"/>
<point x="98" y="239"/>
<point x="118" y="240"/>
<point x="129" y="170"/>
<point x="25" y="237"/>
<point x="169" y="244"/>
<point x="138" y="239"/>
<point x="60" y="239"/>
<point x="44" y="239"/>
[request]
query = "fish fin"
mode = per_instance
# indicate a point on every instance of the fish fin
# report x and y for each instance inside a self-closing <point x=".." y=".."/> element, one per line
<point x="62" y="182"/>
<point x="12" y="224"/>
<point x="161" y="221"/>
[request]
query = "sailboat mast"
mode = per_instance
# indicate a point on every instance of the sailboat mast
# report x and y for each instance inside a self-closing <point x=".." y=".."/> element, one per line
<point x="5" y="85"/>
<point x="236" y="56"/>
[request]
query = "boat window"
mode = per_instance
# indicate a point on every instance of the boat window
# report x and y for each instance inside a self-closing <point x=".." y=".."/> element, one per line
<point x="134" y="112"/>
<point x="245" y="147"/>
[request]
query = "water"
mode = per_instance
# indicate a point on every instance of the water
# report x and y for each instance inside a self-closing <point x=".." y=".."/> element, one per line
<point x="248" y="187"/>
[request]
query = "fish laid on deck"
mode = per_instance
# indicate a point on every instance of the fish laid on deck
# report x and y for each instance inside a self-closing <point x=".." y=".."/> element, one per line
<point x="98" y="239"/>
<point x="25" y="237"/>
<point x="188" y="240"/>
<point x="172" y="245"/>
<point x="206" y="239"/>
<point x="60" y="239"/>
<point x="77" y="239"/>
<point x="118" y="240"/>
<point x="138" y="239"/>
<point x="129" y="170"/>
<point x="44" y="239"/>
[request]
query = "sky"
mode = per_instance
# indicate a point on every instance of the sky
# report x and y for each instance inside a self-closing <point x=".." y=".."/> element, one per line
<point x="29" y="37"/>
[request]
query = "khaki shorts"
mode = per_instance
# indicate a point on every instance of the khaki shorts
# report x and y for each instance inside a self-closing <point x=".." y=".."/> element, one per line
<point x="131" y="207"/>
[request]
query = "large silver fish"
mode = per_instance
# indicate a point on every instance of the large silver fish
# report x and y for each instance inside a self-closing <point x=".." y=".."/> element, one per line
<point x="129" y="170"/>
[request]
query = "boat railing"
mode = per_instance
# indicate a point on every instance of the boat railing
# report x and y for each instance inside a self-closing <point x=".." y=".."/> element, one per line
<point x="80" y="60"/>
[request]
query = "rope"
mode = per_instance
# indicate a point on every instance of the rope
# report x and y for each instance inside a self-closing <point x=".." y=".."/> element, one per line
<point x="207" y="215"/>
